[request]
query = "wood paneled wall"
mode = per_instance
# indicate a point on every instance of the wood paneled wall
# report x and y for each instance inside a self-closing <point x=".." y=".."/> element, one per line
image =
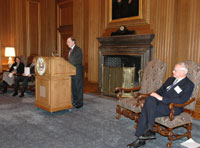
<point x="187" y="35"/>
<point x="93" y="32"/>
<point x="48" y="27"/>
<point x="29" y="26"/>
<point x="78" y="22"/>
<point x="162" y="23"/>
<point x="33" y="27"/>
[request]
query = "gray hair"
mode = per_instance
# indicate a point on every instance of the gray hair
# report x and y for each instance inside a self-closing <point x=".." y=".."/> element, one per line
<point x="184" y="66"/>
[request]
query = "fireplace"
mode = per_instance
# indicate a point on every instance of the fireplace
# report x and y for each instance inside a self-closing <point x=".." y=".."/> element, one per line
<point x="124" y="51"/>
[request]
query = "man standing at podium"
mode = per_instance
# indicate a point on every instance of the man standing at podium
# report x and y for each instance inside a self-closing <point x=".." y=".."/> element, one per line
<point x="75" y="58"/>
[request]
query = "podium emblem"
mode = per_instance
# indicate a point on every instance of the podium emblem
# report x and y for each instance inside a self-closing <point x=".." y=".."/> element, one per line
<point x="41" y="66"/>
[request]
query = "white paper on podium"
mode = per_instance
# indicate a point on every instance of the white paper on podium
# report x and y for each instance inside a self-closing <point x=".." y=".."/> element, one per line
<point x="190" y="143"/>
<point x="27" y="71"/>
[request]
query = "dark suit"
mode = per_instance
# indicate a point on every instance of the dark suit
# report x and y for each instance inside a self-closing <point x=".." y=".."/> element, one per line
<point x="75" y="59"/>
<point x="25" y="79"/>
<point x="153" y="108"/>
<point x="19" y="70"/>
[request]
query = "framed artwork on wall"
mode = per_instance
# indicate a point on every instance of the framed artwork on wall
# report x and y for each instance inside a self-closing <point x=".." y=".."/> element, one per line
<point x="124" y="10"/>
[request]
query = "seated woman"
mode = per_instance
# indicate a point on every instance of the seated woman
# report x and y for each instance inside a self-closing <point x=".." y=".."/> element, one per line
<point x="25" y="79"/>
<point x="17" y="69"/>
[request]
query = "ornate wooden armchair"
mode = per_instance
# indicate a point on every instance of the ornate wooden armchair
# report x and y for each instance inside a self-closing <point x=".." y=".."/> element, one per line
<point x="165" y="125"/>
<point x="152" y="80"/>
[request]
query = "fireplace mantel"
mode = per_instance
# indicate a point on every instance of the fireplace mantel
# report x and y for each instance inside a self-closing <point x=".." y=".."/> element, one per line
<point x="135" y="40"/>
<point x="137" y="45"/>
<point x="126" y="44"/>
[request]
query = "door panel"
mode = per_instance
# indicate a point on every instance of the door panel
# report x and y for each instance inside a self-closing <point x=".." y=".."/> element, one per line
<point x="64" y="25"/>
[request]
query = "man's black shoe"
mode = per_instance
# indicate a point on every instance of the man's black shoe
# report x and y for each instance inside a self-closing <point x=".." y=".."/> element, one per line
<point x="148" y="135"/>
<point x="73" y="104"/>
<point x="15" y="94"/>
<point x="4" y="91"/>
<point x="79" y="106"/>
<point x="21" y="95"/>
<point x="136" y="143"/>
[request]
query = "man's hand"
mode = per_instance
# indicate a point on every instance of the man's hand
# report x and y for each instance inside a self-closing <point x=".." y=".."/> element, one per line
<point x="157" y="96"/>
<point x="26" y="75"/>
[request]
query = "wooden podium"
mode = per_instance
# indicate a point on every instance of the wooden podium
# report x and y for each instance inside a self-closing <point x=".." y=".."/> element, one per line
<point x="53" y="83"/>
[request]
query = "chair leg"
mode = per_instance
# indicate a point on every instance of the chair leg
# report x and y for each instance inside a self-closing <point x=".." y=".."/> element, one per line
<point x="118" y="110"/>
<point x="136" y="119"/>
<point x="170" y="134"/>
<point x="189" y="127"/>
<point x="118" y="116"/>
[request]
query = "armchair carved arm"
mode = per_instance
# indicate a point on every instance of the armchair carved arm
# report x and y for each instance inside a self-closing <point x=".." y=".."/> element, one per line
<point x="172" y="105"/>
<point x="141" y="97"/>
<point x="119" y="90"/>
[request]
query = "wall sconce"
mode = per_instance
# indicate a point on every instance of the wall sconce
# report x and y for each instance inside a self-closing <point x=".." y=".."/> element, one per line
<point x="10" y="52"/>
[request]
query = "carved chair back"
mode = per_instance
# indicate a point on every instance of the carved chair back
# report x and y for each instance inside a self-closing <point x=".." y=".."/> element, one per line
<point x="153" y="75"/>
<point x="194" y="76"/>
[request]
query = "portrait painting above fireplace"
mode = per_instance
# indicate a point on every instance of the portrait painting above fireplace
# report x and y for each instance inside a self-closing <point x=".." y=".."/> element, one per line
<point x="120" y="10"/>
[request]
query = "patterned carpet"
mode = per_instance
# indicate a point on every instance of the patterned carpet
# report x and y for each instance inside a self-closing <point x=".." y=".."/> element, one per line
<point x="22" y="125"/>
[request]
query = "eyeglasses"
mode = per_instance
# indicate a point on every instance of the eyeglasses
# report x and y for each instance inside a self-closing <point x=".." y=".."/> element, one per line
<point x="181" y="69"/>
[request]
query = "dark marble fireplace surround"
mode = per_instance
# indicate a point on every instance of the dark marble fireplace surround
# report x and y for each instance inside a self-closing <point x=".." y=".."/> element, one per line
<point x="134" y="46"/>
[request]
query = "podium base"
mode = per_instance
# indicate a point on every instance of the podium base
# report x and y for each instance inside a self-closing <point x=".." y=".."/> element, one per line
<point x="53" y="109"/>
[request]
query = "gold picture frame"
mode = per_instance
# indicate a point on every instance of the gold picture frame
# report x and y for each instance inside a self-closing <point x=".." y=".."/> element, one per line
<point x="120" y="17"/>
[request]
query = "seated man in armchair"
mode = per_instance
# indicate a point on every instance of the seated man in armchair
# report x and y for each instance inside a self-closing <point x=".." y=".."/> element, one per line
<point x="177" y="89"/>
<point x="25" y="79"/>
<point x="16" y="69"/>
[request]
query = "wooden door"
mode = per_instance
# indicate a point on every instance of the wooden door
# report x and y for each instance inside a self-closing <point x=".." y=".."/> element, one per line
<point x="64" y="25"/>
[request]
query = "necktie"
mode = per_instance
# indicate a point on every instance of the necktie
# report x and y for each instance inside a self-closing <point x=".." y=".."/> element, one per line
<point x="70" y="51"/>
<point x="31" y="65"/>
<point x="174" y="83"/>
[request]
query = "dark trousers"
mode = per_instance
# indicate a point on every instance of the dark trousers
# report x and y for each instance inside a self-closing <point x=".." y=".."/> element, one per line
<point x="151" y="110"/>
<point x="77" y="86"/>
<point x="4" y="86"/>
<point x="25" y="80"/>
